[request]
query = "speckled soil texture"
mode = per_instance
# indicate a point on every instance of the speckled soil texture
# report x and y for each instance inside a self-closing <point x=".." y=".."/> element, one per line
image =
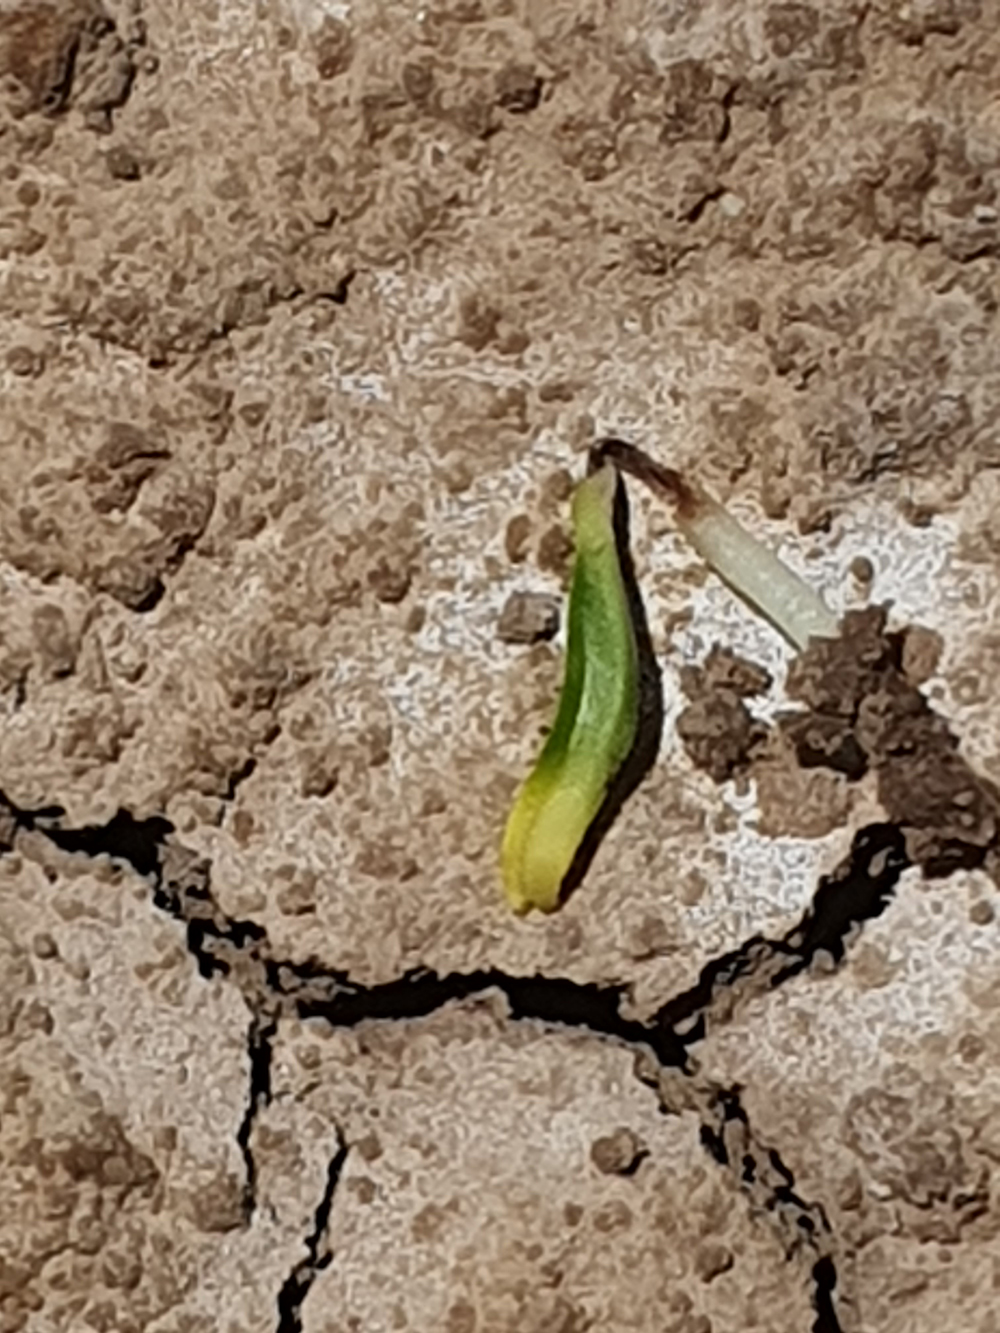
<point x="309" y="312"/>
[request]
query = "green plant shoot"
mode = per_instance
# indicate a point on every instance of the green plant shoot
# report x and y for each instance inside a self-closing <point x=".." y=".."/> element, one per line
<point x="596" y="721"/>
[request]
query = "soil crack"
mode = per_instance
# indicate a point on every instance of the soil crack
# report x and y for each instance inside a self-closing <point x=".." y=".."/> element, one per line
<point x="260" y="1049"/>
<point x="858" y="889"/>
<point x="319" y="1252"/>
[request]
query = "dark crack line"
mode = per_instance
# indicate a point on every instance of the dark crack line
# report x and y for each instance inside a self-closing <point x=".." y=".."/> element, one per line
<point x="553" y="1001"/>
<point x="319" y="1252"/>
<point x="260" y="1039"/>
<point x="138" y="842"/>
<point x="182" y="887"/>
<point x="857" y="890"/>
<point x="768" y="1183"/>
<point x="824" y="1275"/>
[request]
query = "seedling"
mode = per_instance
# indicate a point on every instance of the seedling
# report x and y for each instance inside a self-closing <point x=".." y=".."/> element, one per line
<point x="752" y="570"/>
<point x="598" y="714"/>
<point x="597" y="717"/>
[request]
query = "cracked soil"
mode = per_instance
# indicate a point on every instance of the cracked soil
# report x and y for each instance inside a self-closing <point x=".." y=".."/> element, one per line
<point x="309" y="313"/>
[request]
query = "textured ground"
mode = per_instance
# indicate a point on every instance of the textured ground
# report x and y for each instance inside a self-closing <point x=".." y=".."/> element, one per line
<point x="310" y="312"/>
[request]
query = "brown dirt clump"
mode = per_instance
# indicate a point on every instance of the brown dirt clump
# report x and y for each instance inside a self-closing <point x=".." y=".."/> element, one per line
<point x="528" y="617"/>
<point x="866" y="712"/>
<point x="793" y="801"/>
<point x="618" y="1153"/>
<point x="717" y="729"/>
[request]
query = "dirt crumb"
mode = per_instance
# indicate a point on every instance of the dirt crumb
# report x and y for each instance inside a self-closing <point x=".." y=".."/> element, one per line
<point x="518" y="88"/>
<point x="334" y="48"/>
<point x="862" y="570"/>
<point x="25" y="362"/>
<point x="711" y="1260"/>
<point x="716" y="728"/>
<point x="618" y="1153"/>
<point x="416" y="618"/>
<point x="479" y="321"/>
<point x="122" y="164"/>
<point x="981" y="913"/>
<point x="724" y="669"/>
<point x="319" y="770"/>
<point x="528" y="617"/>
<point x="369" y="1146"/>
<point x="390" y="579"/>
<point x="555" y="551"/>
<point x="823" y="741"/>
<point x="55" y="643"/>
<point x="719" y="734"/>
<point x="516" y="538"/>
<point x="559" y="486"/>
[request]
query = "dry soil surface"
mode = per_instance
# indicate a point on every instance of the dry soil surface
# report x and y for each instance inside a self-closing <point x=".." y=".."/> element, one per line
<point x="310" y="313"/>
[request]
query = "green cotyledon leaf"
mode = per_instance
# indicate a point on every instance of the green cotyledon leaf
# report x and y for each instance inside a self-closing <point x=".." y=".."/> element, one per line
<point x="596" y="721"/>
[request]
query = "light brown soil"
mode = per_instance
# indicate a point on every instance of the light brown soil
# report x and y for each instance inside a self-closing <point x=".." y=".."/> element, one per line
<point x="310" y="312"/>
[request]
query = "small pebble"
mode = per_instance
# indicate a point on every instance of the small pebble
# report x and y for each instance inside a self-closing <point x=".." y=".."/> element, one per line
<point x="711" y="1260"/>
<point x="981" y="913"/>
<point x="123" y="165"/>
<point x="618" y="1153"/>
<point x="528" y="617"/>
<point x="862" y="569"/>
